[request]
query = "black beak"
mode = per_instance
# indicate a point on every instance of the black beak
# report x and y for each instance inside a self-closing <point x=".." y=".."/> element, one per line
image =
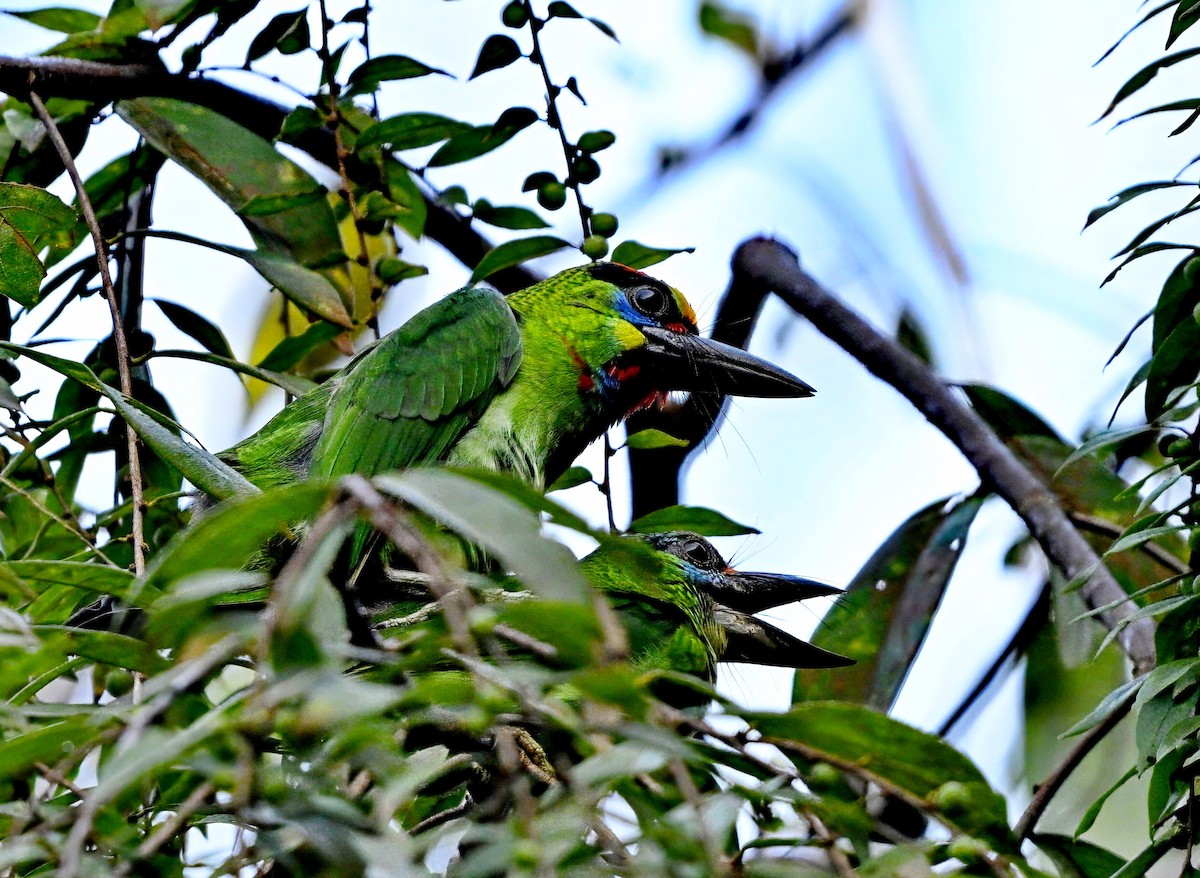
<point x="760" y="643"/>
<point x="693" y="363"/>
<point x="752" y="592"/>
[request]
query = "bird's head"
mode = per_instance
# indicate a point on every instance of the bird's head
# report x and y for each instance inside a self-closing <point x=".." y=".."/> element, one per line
<point x="735" y="595"/>
<point x="632" y="339"/>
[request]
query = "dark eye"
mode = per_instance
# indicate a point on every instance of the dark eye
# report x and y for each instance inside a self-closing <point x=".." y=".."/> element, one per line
<point x="651" y="301"/>
<point x="701" y="554"/>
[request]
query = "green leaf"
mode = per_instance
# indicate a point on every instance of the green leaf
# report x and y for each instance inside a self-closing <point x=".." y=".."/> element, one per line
<point x="119" y="650"/>
<point x="1178" y="300"/>
<point x="293" y="384"/>
<point x="733" y="27"/>
<point x="882" y="618"/>
<point x="1127" y="195"/>
<point x="386" y="68"/>
<point x="1089" y="817"/>
<point x="639" y="256"/>
<point x="697" y="519"/>
<point x="924" y="766"/>
<point x="287" y="32"/>
<point x="1142" y="78"/>
<point x="507" y="217"/>
<point x="1075" y="858"/>
<point x="1175" y="364"/>
<point x="496" y="523"/>
<point x="1004" y="414"/>
<point x="644" y="439"/>
<point x="595" y="141"/>
<point x="191" y="324"/>
<point x="474" y="142"/>
<point x="227" y="537"/>
<point x="59" y="18"/>
<point x="47" y="744"/>
<point x="242" y="168"/>
<point x="411" y="130"/>
<point x="572" y="478"/>
<point x="199" y="466"/>
<point x="1187" y="13"/>
<point x="514" y="253"/>
<point x="95" y="578"/>
<point x="31" y="220"/>
<point x="294" y="348"/>
<point x="497" y="51"/>
<point x="406" y="195"/>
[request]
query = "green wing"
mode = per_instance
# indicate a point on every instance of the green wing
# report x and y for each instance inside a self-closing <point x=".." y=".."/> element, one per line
<point x="411" y="396"/>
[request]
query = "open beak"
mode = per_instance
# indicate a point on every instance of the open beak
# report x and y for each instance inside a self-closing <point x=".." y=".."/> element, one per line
<point x="752" y="592"/>
<point x="760" y="643"/>
<point x="693" y="363"/>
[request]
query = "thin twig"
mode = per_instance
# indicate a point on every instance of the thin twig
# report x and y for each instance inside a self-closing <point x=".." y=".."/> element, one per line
<point x="169" y="828"/>
<point x="837" y="856"/>
<point x="118" y="328"/>
<point x="553" y="117"/>
<point x="57" y="777"/>
<point x="775" y="267"/>
<point x="1046" y="789"/>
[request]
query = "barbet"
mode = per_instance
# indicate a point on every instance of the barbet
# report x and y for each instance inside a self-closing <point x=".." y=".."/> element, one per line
<point x="519" y="384"/>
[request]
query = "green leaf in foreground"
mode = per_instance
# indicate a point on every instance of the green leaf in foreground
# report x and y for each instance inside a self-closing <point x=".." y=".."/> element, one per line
<point x="697" y="519"/>
<point x="922" y="765"/>
<point x="651" y="438"/>
<point x="31" y="219"/>
<point x="386" y="68"/>
<point x="411" y="130"/>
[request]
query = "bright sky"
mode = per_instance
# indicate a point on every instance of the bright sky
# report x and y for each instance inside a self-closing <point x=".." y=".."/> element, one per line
<point x="995" y="102"/>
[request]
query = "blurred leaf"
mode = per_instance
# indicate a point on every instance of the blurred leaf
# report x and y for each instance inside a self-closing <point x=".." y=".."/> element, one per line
<point x="118" y="650"/>
<point x="639" y="256"/>
<point x="697" y="519"/>
<point x="368" y="76"/>
<point x="652" y="438"/>
<point x="1178" y="300"/>
<point x="913" y="338"/>
<point x="921" y="764"/>
<point x="497" y="51"/>
<point x="1075" y="858"/>
<point x="287" y="32"/>
<point x="292" y="384"/>
<point x="58" y="18"/>
<point x="882" y="618"/>
<point x="513" y="253"/>
<point x="1005" y="415"/>
<point x="411" y="130"/>
<point x="496" y="523"/>
<point x="93" y="578"/>
<point x="1175" y="365"/>
<point x="227" y="537"/>
<point x="529" y="497"/>
<point x="733" y="27"/>
<point x="191" y="324"/>
<point x="31" y="219"/>
<point x="294" y="348"/>
<point x="595" y="141"/>
<point x="1142" y="78"/>
<point x="474" y="142"/>
<point x="47" y="745"/>
<point x="572" y="478"/>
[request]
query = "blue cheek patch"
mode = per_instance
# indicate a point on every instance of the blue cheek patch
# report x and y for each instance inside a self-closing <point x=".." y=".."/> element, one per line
<point x="630" y="314"/>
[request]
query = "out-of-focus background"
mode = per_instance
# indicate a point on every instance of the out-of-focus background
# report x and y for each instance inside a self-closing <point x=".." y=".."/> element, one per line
<point x="935" y="159"/>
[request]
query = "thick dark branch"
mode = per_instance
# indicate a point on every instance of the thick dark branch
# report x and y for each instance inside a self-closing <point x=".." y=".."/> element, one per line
<point x="775" y="267"/>
<point x="104" y="83"/>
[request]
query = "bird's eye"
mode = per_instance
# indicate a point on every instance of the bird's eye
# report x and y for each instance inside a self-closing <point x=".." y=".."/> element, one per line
<point x="651" y="301"/>
<point x="701" y="554"/>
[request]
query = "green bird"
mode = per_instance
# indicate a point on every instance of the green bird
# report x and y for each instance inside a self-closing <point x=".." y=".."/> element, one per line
<point x="519" y="384"/>
<point x="684" y="609"/>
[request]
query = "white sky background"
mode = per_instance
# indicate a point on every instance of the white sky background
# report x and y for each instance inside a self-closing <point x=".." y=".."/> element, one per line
<point x="995" y="99"/>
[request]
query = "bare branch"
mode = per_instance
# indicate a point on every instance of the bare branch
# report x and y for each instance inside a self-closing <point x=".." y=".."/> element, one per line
<point x="775" y="267"/>
<point x="118" y="325"/>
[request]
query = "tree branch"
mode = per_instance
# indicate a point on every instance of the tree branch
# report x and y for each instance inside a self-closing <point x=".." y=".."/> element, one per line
<point x="104" y="83"/>
<point x="775" y="267"/>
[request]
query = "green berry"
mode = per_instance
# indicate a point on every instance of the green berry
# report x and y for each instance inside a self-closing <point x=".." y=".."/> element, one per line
<point x="514" y="14"/>
<point x="552" y="196"/>
<point x="595" y="247"/>
<point x="118" y="682"/>
<point x="604" y="224"/>
<point x="587" y="169"/>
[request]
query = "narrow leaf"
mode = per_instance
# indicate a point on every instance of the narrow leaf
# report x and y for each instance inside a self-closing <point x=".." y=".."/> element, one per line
<point x="697" y="519"/>
<point x="411" y="130"/>
<point x="514" y="253"/>
<point x="639" y="256"/>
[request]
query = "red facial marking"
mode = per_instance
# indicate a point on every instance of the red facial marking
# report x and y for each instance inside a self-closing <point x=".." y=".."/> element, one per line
<point x="623" y="373"/>
<point x="586" y="382"/>
<point x="678" y="327"/>
<point x="652" y="398"/>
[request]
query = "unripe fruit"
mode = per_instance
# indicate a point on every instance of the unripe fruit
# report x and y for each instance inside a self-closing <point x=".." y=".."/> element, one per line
<point x="514" y="14"/>
<point x="587" y="169"/>
<point x="604" y="224"/>
<point x="118" y="682"/>
<point x="823" y="776"/>
<point x="595" y="247"/>
<point x="552" y="196"/>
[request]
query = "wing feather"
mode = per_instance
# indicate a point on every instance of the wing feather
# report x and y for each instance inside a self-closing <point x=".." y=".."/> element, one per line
<point x="411" y="397"/>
